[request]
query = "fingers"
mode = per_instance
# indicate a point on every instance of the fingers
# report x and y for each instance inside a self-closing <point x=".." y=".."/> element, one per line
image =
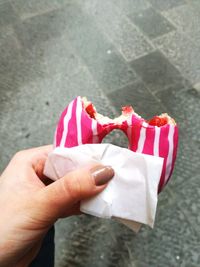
<point x="73" y="187"/>
<point x="33" y="152"/>
<point x="75" y="210"/>
<point x="34" y="158"/>
<point x="38" y="157"/>
<point x="31" y="156"/>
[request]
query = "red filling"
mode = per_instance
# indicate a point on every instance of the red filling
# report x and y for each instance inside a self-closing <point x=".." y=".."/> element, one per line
<point x="157" y="121"/>
<point x="90" y="110"/>
<point x="127" y="110"/>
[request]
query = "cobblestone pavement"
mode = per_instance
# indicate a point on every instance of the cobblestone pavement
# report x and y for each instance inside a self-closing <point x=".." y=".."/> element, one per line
<point x="142" y="52"/>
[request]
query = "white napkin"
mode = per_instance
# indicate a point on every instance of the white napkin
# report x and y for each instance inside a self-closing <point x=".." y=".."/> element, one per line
<point x="131" y="196"/>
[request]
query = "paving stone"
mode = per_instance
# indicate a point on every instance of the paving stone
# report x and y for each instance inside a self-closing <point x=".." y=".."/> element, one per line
<point x="96" y="51"/>
<point x="189" y="203"/>
<point x="164" y="5"/>
<point x="2" y="1"/>
<point x="7" y="15"/>
<point x="128" y="40"/>
<point x="158" y="73"/>
<point x="166" y="244"/>
<point x="83" y="84"/>
<point x="183" y="53"/>
<point x="128" y="6"/>
<point x="166" y="198"/>
<point x="187" y="20"/>
<point x="45" y="50"/>
<point x="108" y="68"/>
<point x="55" y="56"/>
<point x="152" y="23"/>
<point x="39" y="29"/>
<point x="32" y="122"/>
<point x="18" y="67"/>
<point x="111" y="72"/>
<point x="26" y="9"/>
<point x="184" y="107"/>
<point x="46" y="26"/>
<point x="87" y="232"/>
<point x="187" y="163"/>
<point x="116" y="137"/>
<point x="137" y="95"/>
<point x="10" y="58"/>
<point x="197" y="87"/>
<point x="195" y="4"/>
<point x="9" y="49"/>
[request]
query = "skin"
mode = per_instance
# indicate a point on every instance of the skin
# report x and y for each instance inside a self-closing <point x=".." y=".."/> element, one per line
<point x="30" y="205"/>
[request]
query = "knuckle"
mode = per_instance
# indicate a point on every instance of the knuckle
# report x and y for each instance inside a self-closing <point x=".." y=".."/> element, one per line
<point x="22" y="156"/>
<point x="73" y="188"/>
<point x="19" y="155"/>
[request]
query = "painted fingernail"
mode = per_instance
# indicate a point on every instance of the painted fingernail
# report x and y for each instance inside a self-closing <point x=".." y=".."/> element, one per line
<point x="102" y="174"/>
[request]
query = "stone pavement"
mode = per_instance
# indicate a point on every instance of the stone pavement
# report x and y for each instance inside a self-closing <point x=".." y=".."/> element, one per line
<point x="142" y="52"/>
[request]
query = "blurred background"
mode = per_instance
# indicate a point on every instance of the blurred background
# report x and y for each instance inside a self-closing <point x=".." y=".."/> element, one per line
<point x="115" y="52"/>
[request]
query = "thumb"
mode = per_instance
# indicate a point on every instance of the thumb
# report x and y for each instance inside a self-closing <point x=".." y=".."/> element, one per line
<point x="73" y="187"/>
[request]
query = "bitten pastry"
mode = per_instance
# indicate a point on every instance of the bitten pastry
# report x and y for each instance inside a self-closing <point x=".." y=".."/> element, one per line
<point x="80" y="123"/>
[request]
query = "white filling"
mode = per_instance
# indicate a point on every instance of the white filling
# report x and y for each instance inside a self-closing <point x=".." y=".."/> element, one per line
<point x="104" y="120"/>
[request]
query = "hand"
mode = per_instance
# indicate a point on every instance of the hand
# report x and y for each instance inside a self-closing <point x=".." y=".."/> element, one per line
<point x="29" y="207"/>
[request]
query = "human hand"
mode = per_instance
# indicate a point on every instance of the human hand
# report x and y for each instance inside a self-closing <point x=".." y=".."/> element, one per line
<point x="29" y="207"/>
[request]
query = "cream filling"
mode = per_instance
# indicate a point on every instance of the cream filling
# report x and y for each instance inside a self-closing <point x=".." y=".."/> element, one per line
<point x="169" y="119"/>
<point x="123" y="117"/>
<point x="104" y="120"/>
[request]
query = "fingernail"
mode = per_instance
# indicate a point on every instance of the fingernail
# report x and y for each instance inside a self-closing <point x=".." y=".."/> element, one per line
<point x="102" y="174"/>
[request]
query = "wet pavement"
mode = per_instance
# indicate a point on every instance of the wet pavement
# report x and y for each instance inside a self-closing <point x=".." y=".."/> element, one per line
<point x="146" y="53"/>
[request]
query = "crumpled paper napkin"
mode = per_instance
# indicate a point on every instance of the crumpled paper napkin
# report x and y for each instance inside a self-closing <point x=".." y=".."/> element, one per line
<point x="131" y="196"/>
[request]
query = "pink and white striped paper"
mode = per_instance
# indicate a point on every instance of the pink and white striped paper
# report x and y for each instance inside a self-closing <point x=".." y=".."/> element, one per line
<point x="76" y="127"/>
